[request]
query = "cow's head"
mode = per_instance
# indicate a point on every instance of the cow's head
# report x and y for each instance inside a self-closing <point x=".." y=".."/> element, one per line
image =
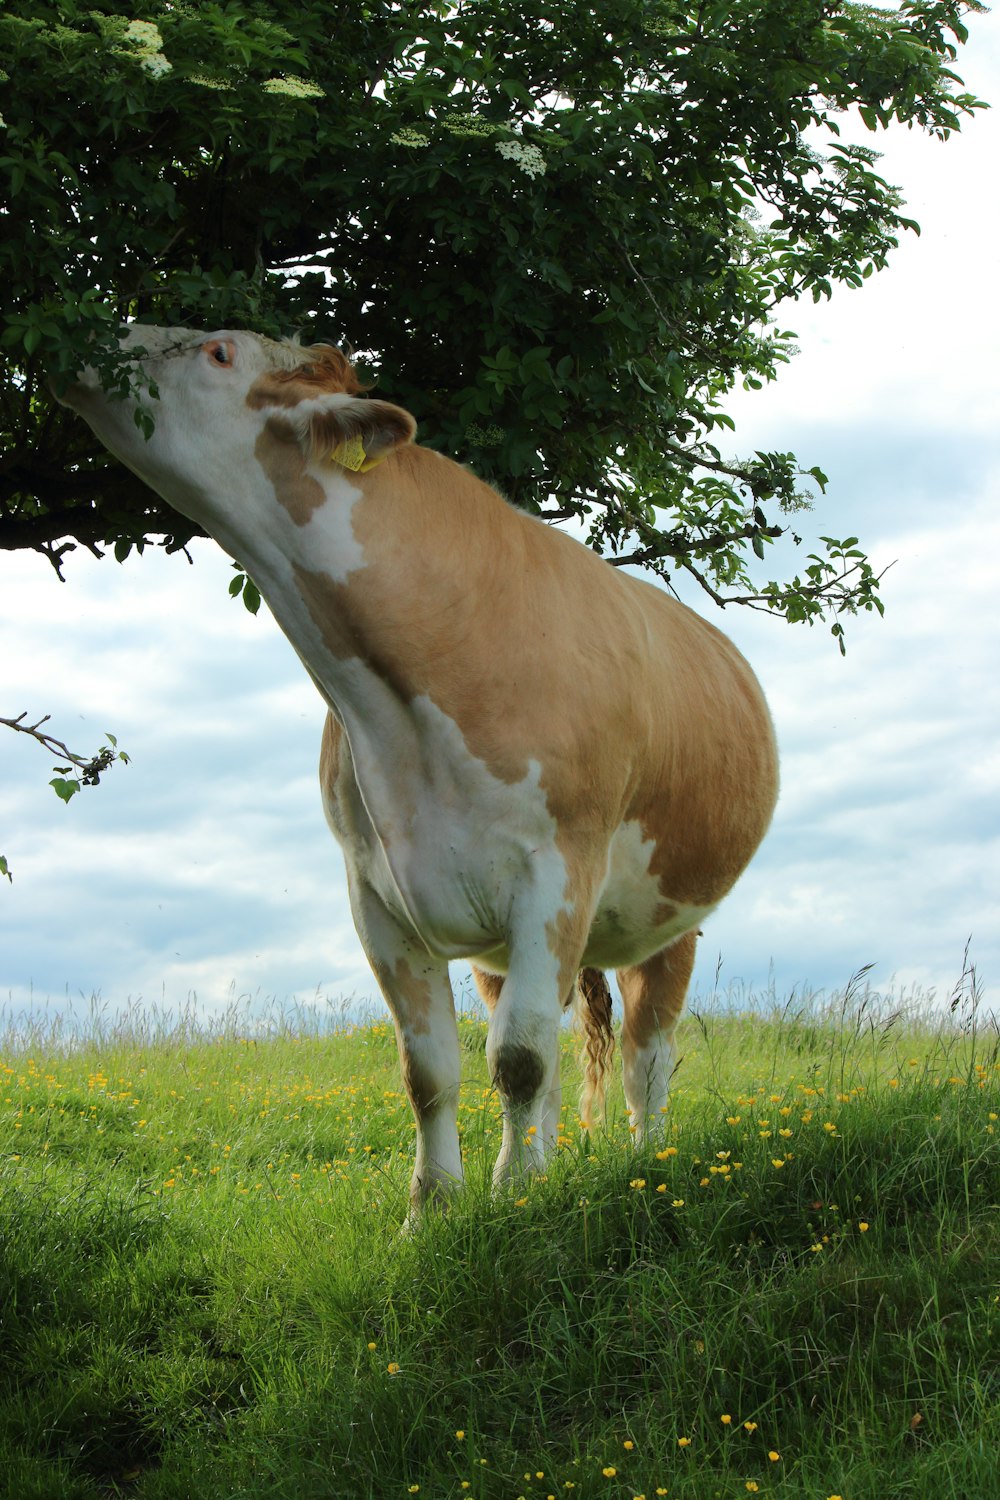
<point x="224" y="405"/>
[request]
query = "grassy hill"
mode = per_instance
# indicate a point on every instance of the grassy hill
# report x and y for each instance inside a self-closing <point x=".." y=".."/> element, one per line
<point x="204" y="1292"/>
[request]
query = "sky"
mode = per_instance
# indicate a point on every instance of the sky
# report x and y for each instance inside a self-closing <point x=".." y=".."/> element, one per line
<point x="202" y="874"/>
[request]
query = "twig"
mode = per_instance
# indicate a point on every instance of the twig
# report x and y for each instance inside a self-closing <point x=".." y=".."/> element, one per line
<point x="90" y="766"/>
<point x="46" y="740"/>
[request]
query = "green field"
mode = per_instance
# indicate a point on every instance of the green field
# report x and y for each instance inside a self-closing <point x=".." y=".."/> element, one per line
<point x="204" y="1292"/>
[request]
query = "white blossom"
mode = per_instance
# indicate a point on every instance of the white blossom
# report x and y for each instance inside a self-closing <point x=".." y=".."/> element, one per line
<point x="469" y="125"/>
<point x="145" y="46"/>
<point x="406" y="136"/>
<point x="145" y="35"/>
<point x="295" y="88"/>
<point x="528" y="158"/>
<point x="206" y="81"/>
<point x="156" y="64"/>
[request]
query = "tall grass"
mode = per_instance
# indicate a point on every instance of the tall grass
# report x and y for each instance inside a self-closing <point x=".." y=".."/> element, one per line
<point x="204" y="1291"/>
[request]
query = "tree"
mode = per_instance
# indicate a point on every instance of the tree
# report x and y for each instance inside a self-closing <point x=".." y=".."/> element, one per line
<point x="560" y="233"/>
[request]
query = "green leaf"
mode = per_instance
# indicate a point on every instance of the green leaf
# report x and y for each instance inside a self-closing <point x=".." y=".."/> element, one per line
<point x="63" y="788"/>
<point x="251" y="596"/>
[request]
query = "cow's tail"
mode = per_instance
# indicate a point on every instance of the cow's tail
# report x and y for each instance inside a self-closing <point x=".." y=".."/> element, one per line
<point x="593" y="1014"/>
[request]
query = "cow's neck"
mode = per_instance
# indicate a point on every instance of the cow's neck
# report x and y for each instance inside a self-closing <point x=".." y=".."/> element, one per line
<point x="380" y="587"/>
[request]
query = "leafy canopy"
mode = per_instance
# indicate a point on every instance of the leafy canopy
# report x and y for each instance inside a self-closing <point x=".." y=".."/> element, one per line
<point x="559" y="233"/>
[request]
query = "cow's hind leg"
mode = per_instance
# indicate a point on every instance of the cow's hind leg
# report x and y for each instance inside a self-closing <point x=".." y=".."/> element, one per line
<point x="418" y="992"/>
<point x="652" y="997"/>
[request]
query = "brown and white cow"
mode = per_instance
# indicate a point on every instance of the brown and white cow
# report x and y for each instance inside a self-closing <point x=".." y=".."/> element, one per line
<point x="531" y="760"/>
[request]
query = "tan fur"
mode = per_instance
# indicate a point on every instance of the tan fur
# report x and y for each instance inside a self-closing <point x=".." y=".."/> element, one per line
<point x="285" y="465"/>
<point x="488" y="985"/>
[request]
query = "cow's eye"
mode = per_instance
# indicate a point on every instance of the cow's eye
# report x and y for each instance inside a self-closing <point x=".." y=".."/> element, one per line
<point x="221" y="353"/>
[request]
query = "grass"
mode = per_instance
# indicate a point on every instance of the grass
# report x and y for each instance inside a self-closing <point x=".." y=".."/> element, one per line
<point x="204" y="1293"/>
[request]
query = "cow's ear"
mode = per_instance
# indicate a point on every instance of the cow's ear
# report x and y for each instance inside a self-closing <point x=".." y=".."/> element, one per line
<point x="349" y="430"/>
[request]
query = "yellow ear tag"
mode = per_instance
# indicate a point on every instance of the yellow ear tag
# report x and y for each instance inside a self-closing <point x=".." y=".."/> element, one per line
<point x="351" y="453"/>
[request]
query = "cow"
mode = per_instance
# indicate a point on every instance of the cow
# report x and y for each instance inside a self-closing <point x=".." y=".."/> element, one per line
<point x="531" y="759"/>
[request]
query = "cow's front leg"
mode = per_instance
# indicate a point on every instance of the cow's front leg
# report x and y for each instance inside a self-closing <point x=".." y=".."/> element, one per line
<point x="522" y="1052"/>
<point x="522" y="1047"/>
<point x="490" y="987"/>
<point x="418" y="992"/>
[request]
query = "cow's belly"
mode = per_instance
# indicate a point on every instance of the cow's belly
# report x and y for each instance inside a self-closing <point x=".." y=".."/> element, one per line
<point x="454" y="856"/>
<point x="460" y="891"/>
<point x="634" y="916"/>
<point x="447" y="855"/>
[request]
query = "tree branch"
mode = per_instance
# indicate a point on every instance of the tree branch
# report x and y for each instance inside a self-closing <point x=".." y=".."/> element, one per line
<point x="86" y="763"/>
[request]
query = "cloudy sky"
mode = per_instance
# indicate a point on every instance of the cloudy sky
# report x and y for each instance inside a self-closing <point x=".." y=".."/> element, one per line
<point x="204" y="868"/>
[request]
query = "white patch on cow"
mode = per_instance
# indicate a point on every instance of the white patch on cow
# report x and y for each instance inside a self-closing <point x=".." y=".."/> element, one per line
<point x="646" y="1075"/>
<point x="327" y="543"/>
<point x="471" y="856"/>
<point x="630" y="922"/>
